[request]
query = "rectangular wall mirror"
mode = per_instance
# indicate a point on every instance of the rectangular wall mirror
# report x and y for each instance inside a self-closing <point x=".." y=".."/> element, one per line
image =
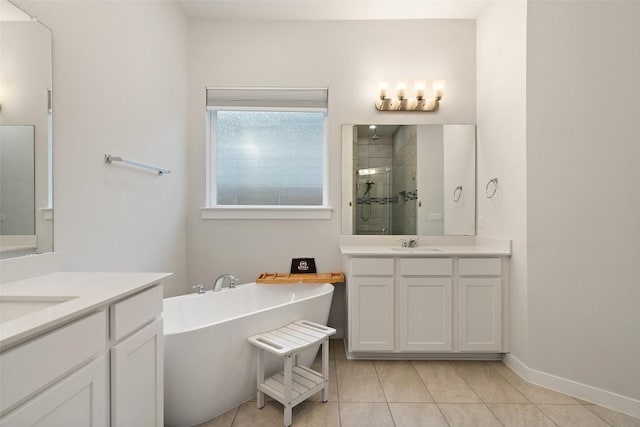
<point x="26" y="205"/>
<point x="409" y="179"/>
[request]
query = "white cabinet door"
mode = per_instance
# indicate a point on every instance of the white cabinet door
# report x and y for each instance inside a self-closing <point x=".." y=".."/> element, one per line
<point x="137" y="379"/>
<point x="371" y="314"/>
<point x="424" y="310"/>
<point x="480" y="313"/>
<point x="78" y="400"/>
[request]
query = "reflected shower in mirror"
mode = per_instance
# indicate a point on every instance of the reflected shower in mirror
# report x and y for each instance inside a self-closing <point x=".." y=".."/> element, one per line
<point x="409" y="179"/>
<point x="17" y="186"/>
<point x="26" y="205"/>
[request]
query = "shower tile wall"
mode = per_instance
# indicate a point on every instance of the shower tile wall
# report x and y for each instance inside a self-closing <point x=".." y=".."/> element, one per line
<point x="404" y="189"/>
<point x="370" y="153"/>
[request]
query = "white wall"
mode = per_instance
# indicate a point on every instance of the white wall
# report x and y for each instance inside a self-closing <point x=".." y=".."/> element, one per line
<point x="348" y="57"/>
<point x="120" y="81"/>
<point x="583" y="105"/>
<point x="501" y="139"/>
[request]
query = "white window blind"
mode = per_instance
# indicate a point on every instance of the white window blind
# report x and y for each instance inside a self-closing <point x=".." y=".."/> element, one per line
<point x="267" y="98"/>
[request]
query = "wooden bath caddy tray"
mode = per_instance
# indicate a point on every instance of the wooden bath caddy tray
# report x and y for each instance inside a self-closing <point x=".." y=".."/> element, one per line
<point x="282" y="278"/>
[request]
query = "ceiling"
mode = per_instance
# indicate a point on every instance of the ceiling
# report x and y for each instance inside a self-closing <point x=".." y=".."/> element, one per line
<point x="9" y="12"/>
<point x="333" y="9"/>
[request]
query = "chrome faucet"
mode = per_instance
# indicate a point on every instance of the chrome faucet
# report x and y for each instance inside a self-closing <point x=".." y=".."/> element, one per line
<point x="217" y="285"/>
<point x="199" y="289"/>
<point x="409" y="243"/>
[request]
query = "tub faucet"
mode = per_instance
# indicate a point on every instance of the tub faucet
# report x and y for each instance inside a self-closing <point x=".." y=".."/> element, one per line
<point x="217" y="285"/>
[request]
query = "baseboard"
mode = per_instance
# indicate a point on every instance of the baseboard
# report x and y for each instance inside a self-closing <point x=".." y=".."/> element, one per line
<point x="422" y="356"/>
<point x="605" y="398"/>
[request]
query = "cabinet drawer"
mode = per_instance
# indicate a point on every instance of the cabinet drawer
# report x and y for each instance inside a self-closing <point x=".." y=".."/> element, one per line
<point x="426" y="266"/>
<point x="134" y="312"/>
<point x="480" y="267"/>
<point x="37" y="363"/>
<point x="372" y="266"/>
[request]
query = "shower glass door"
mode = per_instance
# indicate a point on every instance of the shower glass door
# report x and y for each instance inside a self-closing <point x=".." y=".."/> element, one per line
<point x="373" y="196"/>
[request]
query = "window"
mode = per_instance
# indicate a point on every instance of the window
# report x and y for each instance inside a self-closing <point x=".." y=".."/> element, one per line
<point x="268" y="153"/>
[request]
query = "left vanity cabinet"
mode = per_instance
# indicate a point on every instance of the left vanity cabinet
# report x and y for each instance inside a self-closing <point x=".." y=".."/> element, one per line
<point x="104" y="368"/>
<point x="137" y="360"/>
<point x="60" y="378"/>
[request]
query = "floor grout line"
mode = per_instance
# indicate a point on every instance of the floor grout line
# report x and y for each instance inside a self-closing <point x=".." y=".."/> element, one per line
<point x="596" y="414"/>
<point x="386" y="399"/>
<point x="511" y="384"/>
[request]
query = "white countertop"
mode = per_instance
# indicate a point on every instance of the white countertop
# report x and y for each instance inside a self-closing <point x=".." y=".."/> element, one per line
<point x="424" y="251"/>
<point x="428" y="246"/>
<point x="90" y="292"/>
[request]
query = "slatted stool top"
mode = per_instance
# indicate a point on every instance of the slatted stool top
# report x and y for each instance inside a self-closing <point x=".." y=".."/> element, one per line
<point x="292" y="338"/>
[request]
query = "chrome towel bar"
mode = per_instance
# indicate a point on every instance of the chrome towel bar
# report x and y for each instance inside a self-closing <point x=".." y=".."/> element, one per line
<point x="108" y="159"/>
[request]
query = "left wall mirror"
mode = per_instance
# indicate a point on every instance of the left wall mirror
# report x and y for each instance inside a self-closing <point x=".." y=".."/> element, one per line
<point x="26" y="139"/>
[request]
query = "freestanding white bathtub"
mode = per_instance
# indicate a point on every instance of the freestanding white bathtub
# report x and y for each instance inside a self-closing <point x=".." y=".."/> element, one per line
<point x="209" y="365"/>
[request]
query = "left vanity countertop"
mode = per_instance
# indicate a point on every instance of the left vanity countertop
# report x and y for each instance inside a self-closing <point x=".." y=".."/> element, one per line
<point x="33" y="306"/>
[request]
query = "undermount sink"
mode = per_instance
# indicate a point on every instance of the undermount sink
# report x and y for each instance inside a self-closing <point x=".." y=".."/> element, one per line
<point x="417" y="249"/>
<point x="12" y="307"/>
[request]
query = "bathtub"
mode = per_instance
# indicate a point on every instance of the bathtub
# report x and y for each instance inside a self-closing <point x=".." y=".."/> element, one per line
<point x="209" y="366"/>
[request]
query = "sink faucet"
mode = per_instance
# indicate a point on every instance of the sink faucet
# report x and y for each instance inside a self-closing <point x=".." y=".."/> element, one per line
<point x="217" y="285"/>
<point x="409" y="243"/>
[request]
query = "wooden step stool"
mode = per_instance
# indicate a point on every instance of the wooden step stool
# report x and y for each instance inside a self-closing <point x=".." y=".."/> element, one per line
<point x="296" y="383"/>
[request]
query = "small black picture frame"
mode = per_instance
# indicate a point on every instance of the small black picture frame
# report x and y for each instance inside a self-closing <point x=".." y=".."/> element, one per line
<point x="303" y="265"/>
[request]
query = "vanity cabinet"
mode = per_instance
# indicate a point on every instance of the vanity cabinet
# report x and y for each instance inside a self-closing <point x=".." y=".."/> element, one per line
<point x="137" y="379"/>
<point x="75" y="352"/>
<point x="371" y="297"/>
<point x="137" y="360"/>
<point x="77" y="400"/>
<point x="480" y="304"/>
<point x="102" y="369"/>
<point x="425" y="304"/>
<point x="425" y="295"/>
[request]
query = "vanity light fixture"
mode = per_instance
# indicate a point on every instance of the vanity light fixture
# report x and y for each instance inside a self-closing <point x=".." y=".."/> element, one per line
<point x="403" y="103"/>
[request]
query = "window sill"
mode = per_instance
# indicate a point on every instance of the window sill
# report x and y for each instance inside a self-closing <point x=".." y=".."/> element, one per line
<point x="263" y="212"/>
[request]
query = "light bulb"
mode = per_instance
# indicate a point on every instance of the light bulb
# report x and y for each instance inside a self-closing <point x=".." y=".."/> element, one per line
<point x="382" y="89"/>
<point x="420" y="87"/>
<point x="401" y="89"/>
<point x="438" y="88"/>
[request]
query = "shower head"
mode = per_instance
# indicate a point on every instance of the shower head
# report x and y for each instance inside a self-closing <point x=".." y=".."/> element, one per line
<point x="375" y="136"/>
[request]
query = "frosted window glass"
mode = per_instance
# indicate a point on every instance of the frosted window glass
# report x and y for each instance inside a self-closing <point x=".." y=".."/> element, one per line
<point x="269" y="158"/>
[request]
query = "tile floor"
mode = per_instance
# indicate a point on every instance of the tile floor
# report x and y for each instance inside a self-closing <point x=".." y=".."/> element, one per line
<point x="427" y="393"/>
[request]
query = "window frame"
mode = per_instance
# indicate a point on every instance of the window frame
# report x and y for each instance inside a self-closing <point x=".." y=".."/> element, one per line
<point x="214" y="211"/>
